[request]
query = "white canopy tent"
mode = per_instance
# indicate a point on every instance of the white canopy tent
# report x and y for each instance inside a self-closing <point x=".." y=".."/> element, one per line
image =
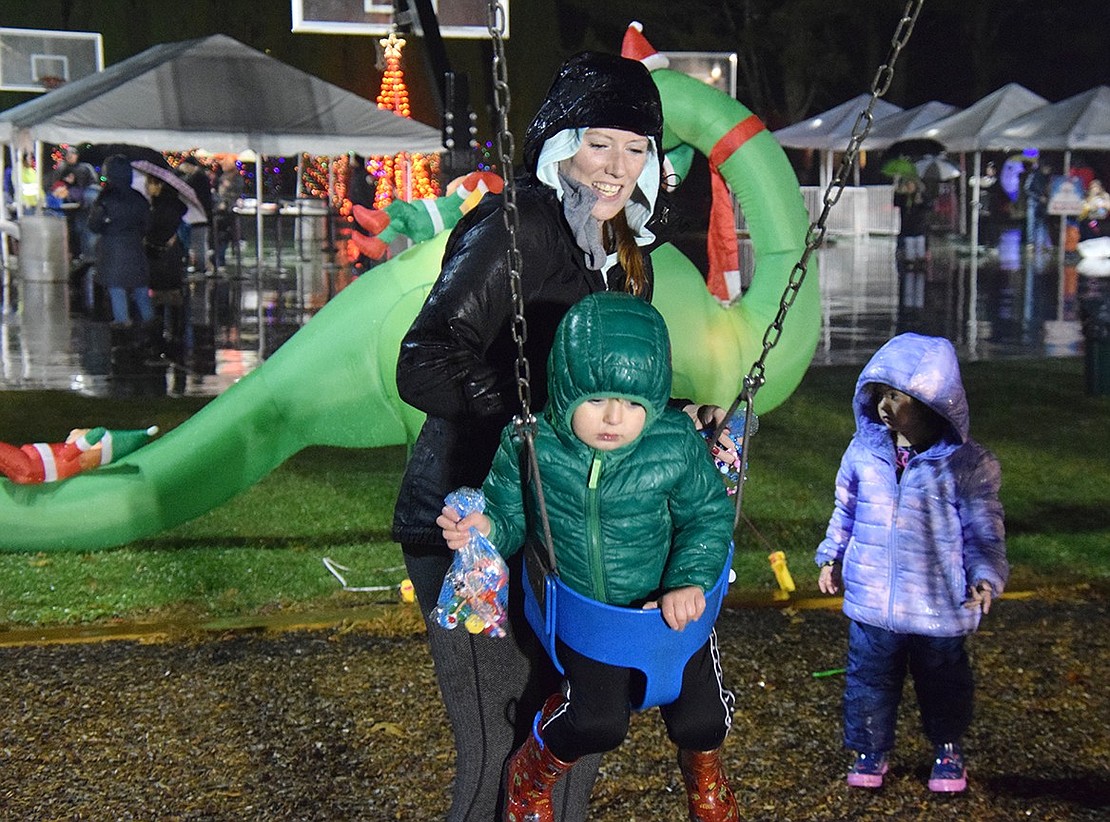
<point x="886" y="131"/>
<point x="1078" y="123"/>
<point x="830" y="131"/>
<point x="217" y="94"/>
<point x="967" y="131"/>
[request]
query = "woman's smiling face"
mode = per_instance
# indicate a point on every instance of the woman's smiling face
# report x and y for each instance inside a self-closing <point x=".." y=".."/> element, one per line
<point x="609" y="161"/>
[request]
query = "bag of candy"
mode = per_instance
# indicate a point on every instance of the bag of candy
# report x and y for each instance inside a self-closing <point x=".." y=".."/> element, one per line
<point x="475" y="592"/>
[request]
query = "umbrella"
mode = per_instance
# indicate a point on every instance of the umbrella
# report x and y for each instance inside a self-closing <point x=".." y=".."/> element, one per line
<point x="195" y="212"/>
<point x="899" y="167"/>
<point x="97" y="153"/>
<point x="937" y="168"/>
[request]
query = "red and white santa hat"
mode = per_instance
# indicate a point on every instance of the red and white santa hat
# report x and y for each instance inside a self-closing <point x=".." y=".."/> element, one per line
<point x="636" y="47"/>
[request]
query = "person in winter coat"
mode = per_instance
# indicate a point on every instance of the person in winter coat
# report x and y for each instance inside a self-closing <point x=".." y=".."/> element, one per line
<point x="608" y="443"/>
<point x="166" y="260"/>
<point x="917" y="540"/>
<point x="592" y="164"/>
<point x="120" y="216"/>
<point x="914" y="209"/>
<point x="195" y="235"/>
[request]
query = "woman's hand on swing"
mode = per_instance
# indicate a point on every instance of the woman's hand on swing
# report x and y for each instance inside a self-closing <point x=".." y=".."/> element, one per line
<point x="456" y="529"/>
<point x="707" y="418"/>
<point x="680" y="606"/>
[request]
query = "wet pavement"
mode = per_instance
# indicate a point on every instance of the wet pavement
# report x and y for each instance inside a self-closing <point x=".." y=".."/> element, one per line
<point x="1003" y="302"/>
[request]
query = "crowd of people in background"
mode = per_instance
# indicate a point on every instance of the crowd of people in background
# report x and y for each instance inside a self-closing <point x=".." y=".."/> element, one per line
<point x="1016" y="197"/>
<point x="132" y="241"/>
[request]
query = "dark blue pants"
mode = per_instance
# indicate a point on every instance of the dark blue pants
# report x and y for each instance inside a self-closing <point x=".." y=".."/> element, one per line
<point x="877" y="662"/>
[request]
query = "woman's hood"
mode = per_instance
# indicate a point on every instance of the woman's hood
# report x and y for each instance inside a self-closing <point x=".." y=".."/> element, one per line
<point x="610" y="344"/>
<point x="597" y="90"/>
<point x="927" y="369"/>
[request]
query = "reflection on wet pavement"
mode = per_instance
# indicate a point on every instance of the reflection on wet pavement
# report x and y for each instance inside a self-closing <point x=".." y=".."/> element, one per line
<point x="1004" y="302"/>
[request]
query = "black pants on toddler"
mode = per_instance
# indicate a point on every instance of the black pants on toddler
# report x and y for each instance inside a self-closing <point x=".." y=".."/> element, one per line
<point x="595" y="716"/>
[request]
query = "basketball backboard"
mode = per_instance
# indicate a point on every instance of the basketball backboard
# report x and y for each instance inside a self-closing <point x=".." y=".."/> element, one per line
<point x="457" y="18"/>
<point x="40" y="59"/>
<point x="716" y="68"/>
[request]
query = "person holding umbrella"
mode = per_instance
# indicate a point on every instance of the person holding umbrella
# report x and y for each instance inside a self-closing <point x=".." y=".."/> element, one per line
<point x="120" y="217"/>
<point x="197" y="241"/>
<point x="167" y="267"/>
<point x="909" y="199"/>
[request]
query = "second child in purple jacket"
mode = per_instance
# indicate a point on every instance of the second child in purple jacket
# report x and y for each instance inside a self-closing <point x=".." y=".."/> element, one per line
<point x="917" y="541"/>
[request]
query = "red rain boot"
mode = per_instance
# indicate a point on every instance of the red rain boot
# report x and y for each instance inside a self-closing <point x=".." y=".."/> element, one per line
<point x="533" y="772"/>
<point x="708" y="795"/>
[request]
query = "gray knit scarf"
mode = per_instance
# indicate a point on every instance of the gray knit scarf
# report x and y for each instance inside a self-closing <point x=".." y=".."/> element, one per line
<point x="578" y="202"/>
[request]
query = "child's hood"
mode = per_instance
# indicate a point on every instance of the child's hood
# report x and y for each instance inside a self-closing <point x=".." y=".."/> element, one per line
<point x="927" y="369"/>
<point x="609" y="344"/>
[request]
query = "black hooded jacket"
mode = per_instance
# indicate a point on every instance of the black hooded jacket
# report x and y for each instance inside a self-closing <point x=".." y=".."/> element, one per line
<point x="457" y="361"/>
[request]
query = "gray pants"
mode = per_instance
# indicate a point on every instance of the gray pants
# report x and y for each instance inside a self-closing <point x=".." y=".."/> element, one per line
<point x="491" y="688"/>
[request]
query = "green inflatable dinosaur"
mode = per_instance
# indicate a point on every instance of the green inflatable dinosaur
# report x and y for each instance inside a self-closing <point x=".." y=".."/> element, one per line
<point x="333" y="382"/>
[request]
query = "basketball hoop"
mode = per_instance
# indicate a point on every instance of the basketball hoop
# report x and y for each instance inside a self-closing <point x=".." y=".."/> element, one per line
<point x="51" y="82"/>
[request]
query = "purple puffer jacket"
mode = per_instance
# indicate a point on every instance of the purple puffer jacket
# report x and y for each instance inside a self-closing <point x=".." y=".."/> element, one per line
<point x="911" y="548"/>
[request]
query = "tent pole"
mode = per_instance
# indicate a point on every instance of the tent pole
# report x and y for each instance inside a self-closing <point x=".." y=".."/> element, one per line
<point x="258" y="213"/>
<point x="41" y="195"/>
<point x="17" y="176"/>
<point x="3" y="217"/>
<point x="976" y="206"/>
<point x="962" y="199"/>
<point x="1063" y="220"/>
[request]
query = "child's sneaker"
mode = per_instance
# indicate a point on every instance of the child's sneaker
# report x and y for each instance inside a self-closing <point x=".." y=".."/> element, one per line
<point x="868" y="770"/>
<point x="949" y="772"/>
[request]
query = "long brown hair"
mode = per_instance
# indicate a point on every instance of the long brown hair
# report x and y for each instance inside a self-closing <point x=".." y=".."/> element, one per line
<point x="618" y="237"/>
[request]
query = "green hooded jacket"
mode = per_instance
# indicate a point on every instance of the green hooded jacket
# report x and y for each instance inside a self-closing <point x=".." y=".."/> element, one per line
<point x="634" y="522"/>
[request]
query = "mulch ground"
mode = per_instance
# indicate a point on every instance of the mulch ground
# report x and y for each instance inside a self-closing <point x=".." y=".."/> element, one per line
<point x="342" y="723"/>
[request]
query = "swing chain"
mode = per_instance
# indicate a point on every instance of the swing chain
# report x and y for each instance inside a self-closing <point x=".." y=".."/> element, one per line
<point x="506" y="148"/>
<point x="815" y="237"/>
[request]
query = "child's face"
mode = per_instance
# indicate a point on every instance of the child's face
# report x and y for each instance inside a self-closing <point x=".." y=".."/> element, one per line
<point x="608" y="422"/>
<point x="900" y="412"/>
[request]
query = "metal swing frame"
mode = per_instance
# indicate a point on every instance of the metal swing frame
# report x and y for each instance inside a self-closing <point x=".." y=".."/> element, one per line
<point x="555" y="611"/>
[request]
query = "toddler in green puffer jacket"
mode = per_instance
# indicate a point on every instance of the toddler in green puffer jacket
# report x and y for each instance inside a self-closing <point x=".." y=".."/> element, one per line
<point x="640" y="518"/>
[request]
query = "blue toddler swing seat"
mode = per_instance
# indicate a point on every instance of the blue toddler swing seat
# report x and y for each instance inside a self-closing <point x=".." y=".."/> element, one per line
<point x="644" y="641"/>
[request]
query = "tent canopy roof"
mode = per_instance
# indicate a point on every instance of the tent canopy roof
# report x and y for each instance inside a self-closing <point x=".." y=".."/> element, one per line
<point x="967" y="130"/>
<point x="892" y="129"/>
<point x="1078" y="122"/>
<point x="832" y="129"/>
<point x="217" y="94"/>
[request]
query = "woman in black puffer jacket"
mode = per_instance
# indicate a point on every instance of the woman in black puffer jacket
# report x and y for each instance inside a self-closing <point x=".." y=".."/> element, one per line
<point x="592" y="165"/>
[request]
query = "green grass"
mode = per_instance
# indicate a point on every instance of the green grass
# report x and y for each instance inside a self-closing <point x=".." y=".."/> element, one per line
<point x="263" y="551"/>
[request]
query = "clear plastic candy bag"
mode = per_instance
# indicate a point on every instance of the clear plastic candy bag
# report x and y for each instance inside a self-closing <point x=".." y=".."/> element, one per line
<point x="475" y="592"/>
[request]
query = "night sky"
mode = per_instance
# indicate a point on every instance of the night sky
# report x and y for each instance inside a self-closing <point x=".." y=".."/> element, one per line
<point x="960" y="50"/>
